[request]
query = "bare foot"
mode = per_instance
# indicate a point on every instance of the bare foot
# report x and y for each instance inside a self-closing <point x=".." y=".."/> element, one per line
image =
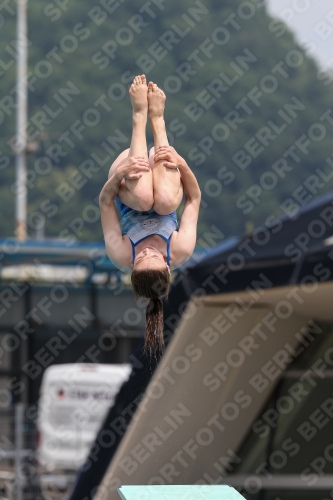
<point x="138" y="95"/>
<point x="156" y="100"/>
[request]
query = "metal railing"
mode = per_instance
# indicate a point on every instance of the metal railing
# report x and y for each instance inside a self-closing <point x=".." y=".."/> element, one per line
<point x="21" y="476"/>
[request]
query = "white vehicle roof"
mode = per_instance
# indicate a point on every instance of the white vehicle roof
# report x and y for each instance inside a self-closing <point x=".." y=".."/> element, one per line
<point x="83" y="372"/>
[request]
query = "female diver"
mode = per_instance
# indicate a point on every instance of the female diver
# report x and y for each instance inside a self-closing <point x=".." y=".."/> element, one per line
<point x="148" y="189"/>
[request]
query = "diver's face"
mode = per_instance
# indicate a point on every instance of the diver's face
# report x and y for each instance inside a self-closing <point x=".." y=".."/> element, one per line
<point x="150" y="257"/>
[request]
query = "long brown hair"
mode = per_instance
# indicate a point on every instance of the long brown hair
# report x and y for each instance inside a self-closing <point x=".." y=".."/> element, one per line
<point x="152" y="284"/>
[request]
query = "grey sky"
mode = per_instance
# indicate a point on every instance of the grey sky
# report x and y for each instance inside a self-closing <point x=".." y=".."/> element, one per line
<point x="312" y="23"/>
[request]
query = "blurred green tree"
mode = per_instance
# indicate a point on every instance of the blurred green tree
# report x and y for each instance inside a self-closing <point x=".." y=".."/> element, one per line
<point x="246" y="107"/>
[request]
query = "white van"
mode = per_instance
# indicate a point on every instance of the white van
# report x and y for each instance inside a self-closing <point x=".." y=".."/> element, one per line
<point x="74" y="399"/>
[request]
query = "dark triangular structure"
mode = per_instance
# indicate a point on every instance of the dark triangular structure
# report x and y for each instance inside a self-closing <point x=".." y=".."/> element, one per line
<point x="285" y="253"/>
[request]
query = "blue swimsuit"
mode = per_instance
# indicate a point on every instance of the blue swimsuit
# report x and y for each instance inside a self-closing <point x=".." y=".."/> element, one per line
<point x="140" y="225"/>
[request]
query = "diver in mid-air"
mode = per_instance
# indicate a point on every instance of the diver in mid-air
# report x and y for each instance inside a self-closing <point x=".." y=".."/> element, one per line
<point x="148" y="187"/>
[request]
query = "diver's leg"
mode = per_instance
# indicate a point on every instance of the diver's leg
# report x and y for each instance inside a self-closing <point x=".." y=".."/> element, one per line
<point x="167" y="185"/>
<point x="137" y="193"/>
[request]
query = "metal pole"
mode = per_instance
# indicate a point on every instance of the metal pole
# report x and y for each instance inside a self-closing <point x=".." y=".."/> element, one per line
<point x="19" y="417"/>
<point x="21" y="121"/>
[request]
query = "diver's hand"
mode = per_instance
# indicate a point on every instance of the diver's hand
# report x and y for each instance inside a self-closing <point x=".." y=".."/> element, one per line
<point x="133" y="168"/>
<point x="170" y="157"/>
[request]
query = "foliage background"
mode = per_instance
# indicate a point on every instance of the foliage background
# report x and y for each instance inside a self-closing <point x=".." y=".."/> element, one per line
<point x="61" y="26"/>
